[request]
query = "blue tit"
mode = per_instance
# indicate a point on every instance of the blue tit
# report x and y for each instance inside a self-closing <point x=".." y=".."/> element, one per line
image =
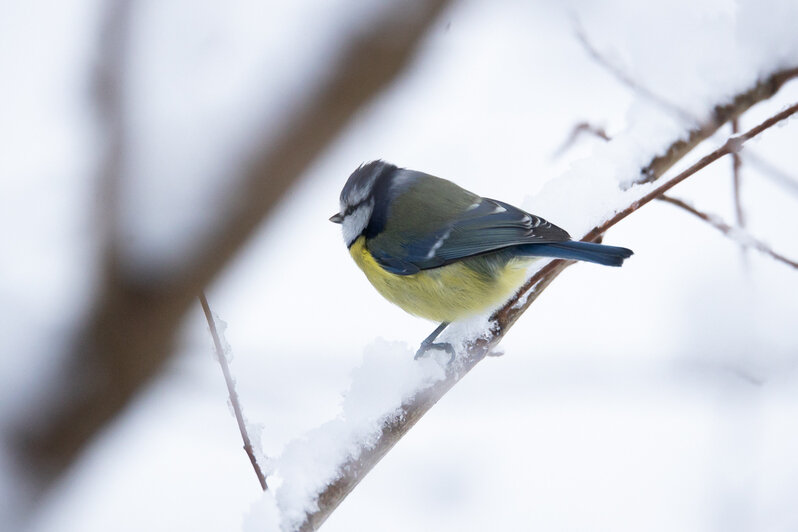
<point x="441" y="252"/>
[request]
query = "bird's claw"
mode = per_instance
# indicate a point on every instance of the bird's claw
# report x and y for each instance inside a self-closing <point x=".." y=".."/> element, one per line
<point x="426" y="346"/>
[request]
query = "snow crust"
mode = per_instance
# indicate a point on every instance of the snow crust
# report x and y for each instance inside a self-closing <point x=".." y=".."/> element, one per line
<point x="387" y="377"/>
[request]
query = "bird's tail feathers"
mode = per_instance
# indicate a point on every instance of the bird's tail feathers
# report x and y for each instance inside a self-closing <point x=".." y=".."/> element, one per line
<point x="573" y="250"/>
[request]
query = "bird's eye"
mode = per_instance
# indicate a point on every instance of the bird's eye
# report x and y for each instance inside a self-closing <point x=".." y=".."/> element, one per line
<point x="349" y="210"/>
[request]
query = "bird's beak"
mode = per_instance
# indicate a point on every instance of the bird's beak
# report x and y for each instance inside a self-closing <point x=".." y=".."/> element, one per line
<point x="337" y="218"/>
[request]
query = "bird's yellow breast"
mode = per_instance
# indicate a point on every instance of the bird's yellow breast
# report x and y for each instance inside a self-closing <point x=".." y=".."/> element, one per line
<point x="447" y="293"/>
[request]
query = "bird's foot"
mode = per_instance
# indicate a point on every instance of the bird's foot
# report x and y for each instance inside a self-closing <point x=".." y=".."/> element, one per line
<point x="426" y="346"/>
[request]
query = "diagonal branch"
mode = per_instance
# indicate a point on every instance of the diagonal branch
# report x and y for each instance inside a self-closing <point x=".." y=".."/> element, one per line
<point x="231" y="391"/>
<point x="732" y="145"/>
<point x="736" y="234"/>
<point x="354" y="470"/>
<point x="721" y="114"/>
<point x="130" y="329"/>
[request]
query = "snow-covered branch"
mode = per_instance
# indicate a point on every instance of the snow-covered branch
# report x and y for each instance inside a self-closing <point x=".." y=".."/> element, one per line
<point x="721" y="114"/>
<point x="393" y="424"/>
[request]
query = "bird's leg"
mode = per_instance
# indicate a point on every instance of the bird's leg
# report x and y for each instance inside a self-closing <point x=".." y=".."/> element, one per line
<point x="429" y="343"/>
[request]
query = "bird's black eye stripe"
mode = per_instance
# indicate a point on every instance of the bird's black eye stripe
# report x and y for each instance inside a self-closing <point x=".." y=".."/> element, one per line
<point x="352" y="208"/>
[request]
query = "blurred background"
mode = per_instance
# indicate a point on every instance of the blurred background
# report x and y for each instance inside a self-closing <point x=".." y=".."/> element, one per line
<point x="659" y="396"/>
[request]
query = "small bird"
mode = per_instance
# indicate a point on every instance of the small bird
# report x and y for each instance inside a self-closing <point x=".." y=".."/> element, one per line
<point x="441" y="252"/>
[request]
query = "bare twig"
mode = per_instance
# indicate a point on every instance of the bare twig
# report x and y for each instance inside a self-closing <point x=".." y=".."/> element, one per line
<point x="738" y="235"/>
<point x="409" y="413"/>
<point x="736" y="172"/>
<point x="130" y="329"/>
<point x="627" y="80"/>
<point x="736" y="168"/>
<point x="231" y="391"/>
<point x="777" y="175"/>
<point x="579" y="129"/>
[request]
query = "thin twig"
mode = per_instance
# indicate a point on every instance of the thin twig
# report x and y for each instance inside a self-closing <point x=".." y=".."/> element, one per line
<point x="576" y="131"/>
<point x="354" y="470"/>
<point x="736" y="234"/>
<point x="736" y="168"/>
<point x="231" y="390"/>
<point x="627" y="80"/>
<point x="736" y="171"/>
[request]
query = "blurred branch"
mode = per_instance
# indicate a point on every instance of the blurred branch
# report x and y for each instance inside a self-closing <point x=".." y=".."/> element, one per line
<point x="231" y="390"/>
<point x="130" y="329"/>
<point x="397" y="425"/>
<point x="578" y="130"/>
<point x="87" y="386"/>
<point x="627" y="80"/>
<point x="777" y="175"/>
<point x="109" y="85"/>
<point x="736" y="234"/>
<point x="736" y="168"/>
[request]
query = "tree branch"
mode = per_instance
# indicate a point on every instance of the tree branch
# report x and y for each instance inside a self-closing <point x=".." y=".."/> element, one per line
<point x="733" y="144"/>
<point x="354" y="470"/>
<point x="736" y="234"/>
<point x="736" y="169"/>
<point x="231" y="391"/>
<point x="721" y="114"/>
<point x="579" y="129"/>
<point x="129" y="332"/>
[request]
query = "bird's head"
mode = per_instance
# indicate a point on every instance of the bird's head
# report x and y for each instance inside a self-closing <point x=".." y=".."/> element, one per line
<point x="359" y="196"/>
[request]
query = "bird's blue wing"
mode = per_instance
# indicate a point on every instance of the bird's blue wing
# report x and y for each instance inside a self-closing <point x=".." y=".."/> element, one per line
<point x="487" y="225"/>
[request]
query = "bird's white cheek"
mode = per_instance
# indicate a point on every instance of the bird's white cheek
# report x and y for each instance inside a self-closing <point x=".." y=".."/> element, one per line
<point x="355" y="223"/>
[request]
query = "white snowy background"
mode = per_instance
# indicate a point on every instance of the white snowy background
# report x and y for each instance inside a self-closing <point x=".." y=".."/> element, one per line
<point x="659" y="396"/>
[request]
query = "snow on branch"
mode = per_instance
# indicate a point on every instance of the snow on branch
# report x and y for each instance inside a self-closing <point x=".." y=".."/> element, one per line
<point x="720" y="115"/>
<point x="306" y="509"/>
